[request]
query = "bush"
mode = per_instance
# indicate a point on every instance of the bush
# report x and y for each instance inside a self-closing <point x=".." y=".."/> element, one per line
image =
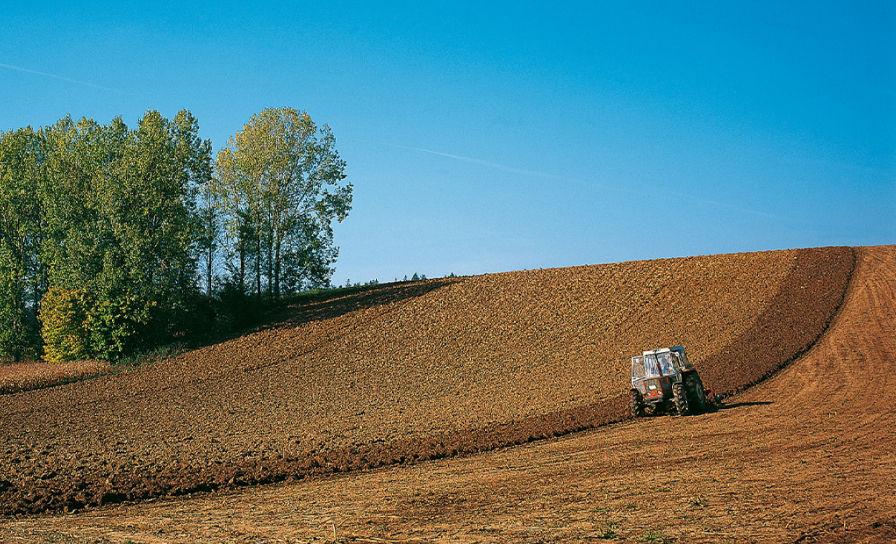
<point x="117" y="326"/>
<point x="19" y="333"/>
<point x="235" y="311"/>
<point x="64" y="329"/>
<point x="77" y="325"/>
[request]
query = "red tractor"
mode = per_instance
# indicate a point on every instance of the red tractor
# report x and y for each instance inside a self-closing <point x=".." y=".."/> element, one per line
<point x="664" y="381"/>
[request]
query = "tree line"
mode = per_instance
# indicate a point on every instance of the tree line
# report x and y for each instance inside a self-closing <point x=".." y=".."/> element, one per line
<point x="113" y="239"/>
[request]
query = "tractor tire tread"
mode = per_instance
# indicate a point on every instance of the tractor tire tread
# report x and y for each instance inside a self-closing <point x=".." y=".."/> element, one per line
<point x="680" y="399"/>
<point x="636" y="404"/>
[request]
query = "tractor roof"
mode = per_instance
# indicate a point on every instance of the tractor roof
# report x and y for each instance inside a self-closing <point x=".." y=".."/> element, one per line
<point x="678" y="348"/>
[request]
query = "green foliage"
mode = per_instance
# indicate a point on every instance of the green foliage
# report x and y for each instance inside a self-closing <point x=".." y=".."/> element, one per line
<point x="13" y="334"/>
<point x="76" y="324"/>
<point x="657" y="537"/>
<point x="609" y="532"/>
<point x="279" y="188"/>
<point x="63" y="316"/>
<point x="118" y="325"/>
<point x="234" y="310"/>
<point x="152" y="355"/>
<point x="21" y="273"/>
<point x="121" y="222"/>
<point x="106" y="231"/>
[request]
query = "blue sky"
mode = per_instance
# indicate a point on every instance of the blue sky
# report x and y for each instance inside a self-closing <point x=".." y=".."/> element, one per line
<point x="516" y="135"/>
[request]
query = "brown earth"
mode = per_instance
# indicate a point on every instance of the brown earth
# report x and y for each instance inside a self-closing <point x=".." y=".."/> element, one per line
<point x="806" y="456"/>
<point x="408" y="372"/>
<point x="19" y="377"/>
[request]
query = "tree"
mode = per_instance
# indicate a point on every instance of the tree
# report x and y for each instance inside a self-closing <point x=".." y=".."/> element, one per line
<point x="209" y="233"/>
<point x="21" y="273"/>
<point x="122" y="223"/>
<point x="232" y="193"/>
<point x="279" y="180"/>
<point x="193" y="164"/>
<point x="78" y="163"/>
<point x="149" y="202"/>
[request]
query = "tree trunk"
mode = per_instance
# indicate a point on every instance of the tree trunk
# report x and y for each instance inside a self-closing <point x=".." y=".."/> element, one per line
<point x="271" y="264"/>
<point x="17" y="325"/>
<point x="258" y="266"/>
<point x="242" y="249"/>
<point x="19" y="288"/>
<point x="277" y="267"/>
<point x="208" y="271"/>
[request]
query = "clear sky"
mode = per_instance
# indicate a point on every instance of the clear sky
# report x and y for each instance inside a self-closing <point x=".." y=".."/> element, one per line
<point x="489" y="136"/>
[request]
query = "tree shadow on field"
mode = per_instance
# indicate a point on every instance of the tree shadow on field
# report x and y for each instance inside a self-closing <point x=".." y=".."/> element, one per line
<point x="304" y="308"/>
<point x="253" y="314"/>
<point x="215" y="322"/>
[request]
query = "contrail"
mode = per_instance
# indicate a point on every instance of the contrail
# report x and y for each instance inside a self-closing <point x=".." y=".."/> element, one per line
<point x="640" y="194"/>
<point x="495" y="165"/>
<point x="61" y="78"/>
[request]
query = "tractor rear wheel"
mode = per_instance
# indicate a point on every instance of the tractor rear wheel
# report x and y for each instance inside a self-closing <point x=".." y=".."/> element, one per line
<point x="636" y="403"/>
<point x="680" y="399"/>
<point x="697" y="398"/>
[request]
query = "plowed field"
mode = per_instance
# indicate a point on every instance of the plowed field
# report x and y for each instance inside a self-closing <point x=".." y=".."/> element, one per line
<point x="18" y="377"/>
<point x="408" y="372"/>
<point x="807" y="456"/>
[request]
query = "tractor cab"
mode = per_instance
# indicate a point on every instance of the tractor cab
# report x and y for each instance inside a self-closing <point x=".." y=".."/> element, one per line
<point x="656" y="368"/>
<point x="662" y="379"/>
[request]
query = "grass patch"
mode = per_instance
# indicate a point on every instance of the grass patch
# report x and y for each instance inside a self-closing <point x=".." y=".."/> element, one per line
<point x="609" y="532"/>
<point x="656" y="537"/>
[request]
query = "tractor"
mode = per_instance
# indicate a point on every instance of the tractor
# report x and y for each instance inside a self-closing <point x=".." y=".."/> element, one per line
<point x="664" y="381"/>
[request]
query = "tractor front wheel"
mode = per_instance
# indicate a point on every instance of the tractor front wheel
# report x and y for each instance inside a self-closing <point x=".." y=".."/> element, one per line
<point x="636" y="403"/>
<point x="680" y="398"/>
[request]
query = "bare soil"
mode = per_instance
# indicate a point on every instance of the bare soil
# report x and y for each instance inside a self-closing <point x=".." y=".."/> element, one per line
<point x="20" y="377"/>
<point x="806" y="456"/>
<point x="416" y="371"/>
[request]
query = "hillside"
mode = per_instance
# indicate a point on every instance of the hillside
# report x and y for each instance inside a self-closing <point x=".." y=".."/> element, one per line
<point x="802" y="457"/>
<point x="411" y="371"/>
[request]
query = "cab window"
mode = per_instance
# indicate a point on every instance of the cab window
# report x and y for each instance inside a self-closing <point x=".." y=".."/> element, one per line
<point x="665" y="361"/>
<point x="651" y="367"/>
<point x="637" y="368"/>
